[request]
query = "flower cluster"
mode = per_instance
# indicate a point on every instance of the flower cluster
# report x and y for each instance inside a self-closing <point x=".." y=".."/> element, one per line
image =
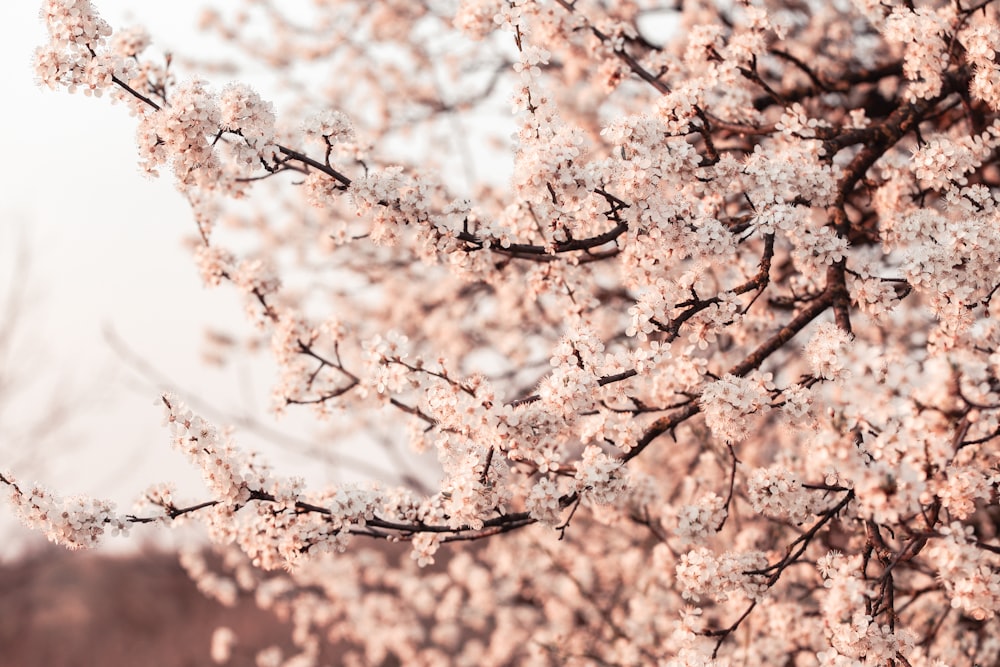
<point x="775" y="492"/>
<point x="702" y="573"/>
<point x="224" y="470"/>
<point x="729" y="402"/>
<point x="827" y="352"/>
<point x="543" y="502"/>
<point x="331" y="126"/>
<point x="599" y="478"/>
<point x="705" y="517"/>
<point x="921" y="32"/>
<point x="971" y="579"/>
<point x="181" y="136"/>
<point x="77" y="55"/>
<point x="243" y="112"/>
<point x="943" y="162"/>
<point x="76" y="522"/>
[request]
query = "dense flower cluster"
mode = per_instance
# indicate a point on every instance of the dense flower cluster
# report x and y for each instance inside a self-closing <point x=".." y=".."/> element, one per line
<point x="715" y="367"/>
<point x="77" y="54"/>
<point x="729" y="402"/>
<point x="77" y="522"/>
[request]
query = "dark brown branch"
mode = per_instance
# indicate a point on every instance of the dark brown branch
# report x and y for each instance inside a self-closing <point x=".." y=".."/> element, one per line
<point x="528" y="249"/>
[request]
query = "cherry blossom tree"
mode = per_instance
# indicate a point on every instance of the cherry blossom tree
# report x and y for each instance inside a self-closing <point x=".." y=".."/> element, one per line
<point x="710" y="370"/>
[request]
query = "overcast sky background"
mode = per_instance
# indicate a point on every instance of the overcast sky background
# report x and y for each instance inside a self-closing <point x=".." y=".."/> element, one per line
<point x="104" y="245"/>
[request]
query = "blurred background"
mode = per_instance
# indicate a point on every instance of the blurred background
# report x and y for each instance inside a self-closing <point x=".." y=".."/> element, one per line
<point x="62" y="609"/>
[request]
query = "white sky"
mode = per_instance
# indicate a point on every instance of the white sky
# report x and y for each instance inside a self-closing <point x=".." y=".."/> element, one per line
<point x="105" y="249"/>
